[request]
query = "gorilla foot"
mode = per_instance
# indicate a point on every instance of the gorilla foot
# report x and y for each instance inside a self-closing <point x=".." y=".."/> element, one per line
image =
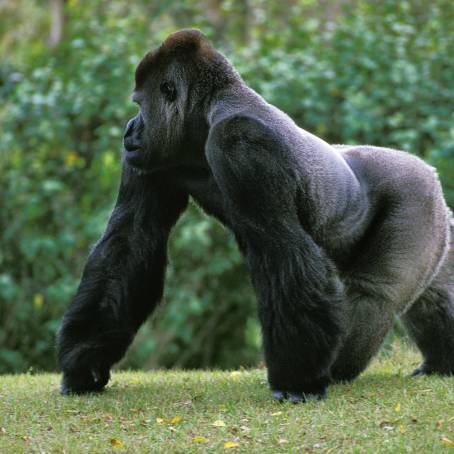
<point x="425" y="369"/>
<point x="421" y="370"/>
<point x="296" y="398"/>
<point x="82" y="382"/>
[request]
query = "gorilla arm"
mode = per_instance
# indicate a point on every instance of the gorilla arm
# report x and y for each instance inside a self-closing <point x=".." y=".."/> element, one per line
<point x="298" y="290"/>
<point x="121" y="284"/>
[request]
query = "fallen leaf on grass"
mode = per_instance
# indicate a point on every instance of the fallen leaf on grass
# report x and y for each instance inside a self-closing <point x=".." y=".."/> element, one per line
<point x="218" y="423"/>
<point x="230" y="444"/>
<point x="276" y="413"/>
<point x="2" y="430"/>
<point x="447" y="441"/>
<point x="388" y="422"/>
<point x="199" y="439"/>
<point x="397" y="407"/>
<point x="116" y="442"/>
<point x="175" y="420"/>
<point x="160" y="421"/>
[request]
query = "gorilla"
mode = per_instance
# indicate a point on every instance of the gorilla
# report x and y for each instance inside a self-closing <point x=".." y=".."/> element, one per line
<point x="338" y="239"/>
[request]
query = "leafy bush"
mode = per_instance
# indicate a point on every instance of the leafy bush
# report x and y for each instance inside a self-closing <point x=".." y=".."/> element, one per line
<point x="380" y="73"/>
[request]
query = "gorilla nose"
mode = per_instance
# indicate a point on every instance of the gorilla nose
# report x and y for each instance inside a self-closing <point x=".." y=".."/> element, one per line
<point x="129" y="141"/>
<point x="129" y="127"/>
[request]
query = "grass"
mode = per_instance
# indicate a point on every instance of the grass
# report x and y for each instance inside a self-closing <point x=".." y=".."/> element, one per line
<point x="199" y="411"/>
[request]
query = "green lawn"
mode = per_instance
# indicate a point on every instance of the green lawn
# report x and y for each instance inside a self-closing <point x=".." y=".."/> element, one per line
<point x="382" y="411"/>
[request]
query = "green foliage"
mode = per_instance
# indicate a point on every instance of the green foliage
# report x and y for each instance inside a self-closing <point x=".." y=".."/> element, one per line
<point x="378" y="72"/>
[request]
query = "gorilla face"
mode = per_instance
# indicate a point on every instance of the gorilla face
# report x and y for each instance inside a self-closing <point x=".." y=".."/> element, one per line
<point x="173" y="87"/>
<point x="153" y="137"/>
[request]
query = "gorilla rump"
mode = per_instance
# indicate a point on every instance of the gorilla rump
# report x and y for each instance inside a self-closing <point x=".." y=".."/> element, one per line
<point x="338" y="239"/>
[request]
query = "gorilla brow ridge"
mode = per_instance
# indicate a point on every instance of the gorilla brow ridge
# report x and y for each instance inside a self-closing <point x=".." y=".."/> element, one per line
<point x="182" y="43"/>
<point x="212" y="65"/>
<point x="143" y="68"/>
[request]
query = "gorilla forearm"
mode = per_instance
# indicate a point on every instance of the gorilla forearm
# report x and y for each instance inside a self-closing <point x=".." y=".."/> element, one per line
<point x="121" y="284"/>
<point x="300" y="294"/>
<point x="300" y="303"/>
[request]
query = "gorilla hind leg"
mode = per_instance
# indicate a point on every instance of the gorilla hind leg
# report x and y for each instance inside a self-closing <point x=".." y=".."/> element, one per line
<point x="369" y="323"/>
<point x="430" y="323"/>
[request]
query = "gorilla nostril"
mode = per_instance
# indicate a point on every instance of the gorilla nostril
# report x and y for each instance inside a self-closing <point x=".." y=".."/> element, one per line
<point x="129" y="128"/>
<point x="130" y="145"/>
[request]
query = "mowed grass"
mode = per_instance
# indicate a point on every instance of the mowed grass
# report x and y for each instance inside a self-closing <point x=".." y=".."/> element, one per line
<point x="211" y="411"/>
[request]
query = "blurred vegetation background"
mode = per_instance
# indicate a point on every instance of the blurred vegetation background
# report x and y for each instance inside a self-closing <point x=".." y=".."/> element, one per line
<point x="349" y="71"/>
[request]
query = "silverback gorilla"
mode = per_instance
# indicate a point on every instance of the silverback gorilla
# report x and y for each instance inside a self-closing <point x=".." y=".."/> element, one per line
<point x="338" y="239"/>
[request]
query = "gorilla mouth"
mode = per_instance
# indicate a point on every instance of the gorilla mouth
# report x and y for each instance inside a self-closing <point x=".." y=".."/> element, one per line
<point x="135" y="158"/>
<point x="140" y="161"/>
<point x="131" y="154"/>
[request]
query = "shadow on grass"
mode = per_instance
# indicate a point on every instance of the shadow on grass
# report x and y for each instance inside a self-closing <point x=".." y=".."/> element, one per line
<point x="251" y="389"/>
<point x="379" y="385"/>
<point x="254" y="390"/>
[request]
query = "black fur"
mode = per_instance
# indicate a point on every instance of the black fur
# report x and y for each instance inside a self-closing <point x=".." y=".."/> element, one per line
<point x="328" y="232"/>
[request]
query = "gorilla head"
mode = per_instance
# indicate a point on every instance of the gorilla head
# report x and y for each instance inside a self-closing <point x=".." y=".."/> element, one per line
<point x="328" y="232"/>
<point x="173" y="88"/>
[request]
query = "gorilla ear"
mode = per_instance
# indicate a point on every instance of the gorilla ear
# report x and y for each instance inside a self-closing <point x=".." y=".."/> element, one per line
<point x="184" y="42"/>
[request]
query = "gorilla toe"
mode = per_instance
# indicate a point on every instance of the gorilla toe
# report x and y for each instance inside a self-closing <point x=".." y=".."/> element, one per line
<point x="296" y="398"/>
<point x="421" y="370"/>
<point x="425" y="369"/>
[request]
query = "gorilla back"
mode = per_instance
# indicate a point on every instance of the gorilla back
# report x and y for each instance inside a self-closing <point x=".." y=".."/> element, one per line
<point x="338" y="240"/>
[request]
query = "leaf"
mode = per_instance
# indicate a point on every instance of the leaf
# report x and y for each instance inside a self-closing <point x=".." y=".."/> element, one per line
<point x="71" y="158"/>
<point x="116" y="442"/>
<point x="160" y="421"/>
<point x="447" y="441"/>
<point x="38" y="301"/>
<point x="235" y="375"/>
<point x="397" y="407"/>
<point x="218" y="423"/>
<point x="230" y="444"/>
<point x="200" y="439"/>
<point x="276" y="413"/>
<point x="388" y="422"/>
<point x="175" y="420"/>
<point x="136" y="379"/>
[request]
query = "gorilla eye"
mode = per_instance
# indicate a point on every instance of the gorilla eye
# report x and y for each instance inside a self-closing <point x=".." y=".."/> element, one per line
<point x="169" y="91"/>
